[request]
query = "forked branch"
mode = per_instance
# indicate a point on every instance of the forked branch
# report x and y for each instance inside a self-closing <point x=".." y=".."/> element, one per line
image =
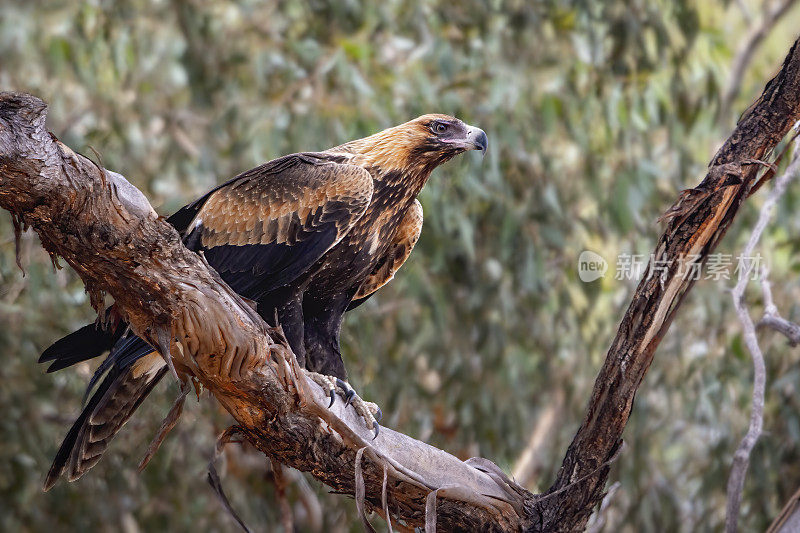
<point x="694" y="227"/>
<point x="107" y="231"/>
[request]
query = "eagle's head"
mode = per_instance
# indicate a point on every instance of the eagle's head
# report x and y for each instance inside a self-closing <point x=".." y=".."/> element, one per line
<point x="420" y="145"/>
<point x="443" y="135"/>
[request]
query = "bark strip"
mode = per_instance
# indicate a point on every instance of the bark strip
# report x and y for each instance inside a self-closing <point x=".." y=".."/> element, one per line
<point x="108" y="232"/>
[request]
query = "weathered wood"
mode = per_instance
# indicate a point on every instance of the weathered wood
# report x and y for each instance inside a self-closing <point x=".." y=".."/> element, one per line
<point x="694" y="227"/>
<point x="107" y="231"/>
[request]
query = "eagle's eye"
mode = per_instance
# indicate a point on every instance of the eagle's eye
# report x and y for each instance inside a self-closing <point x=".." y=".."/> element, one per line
<point x="439" y="127"/>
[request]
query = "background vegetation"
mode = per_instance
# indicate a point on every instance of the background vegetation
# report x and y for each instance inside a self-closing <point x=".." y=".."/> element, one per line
<point x="598" y="113"/>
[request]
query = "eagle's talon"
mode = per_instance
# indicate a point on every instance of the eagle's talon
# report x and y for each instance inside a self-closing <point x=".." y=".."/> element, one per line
<point x="328" y="384"/>
<point x="368" y="411"/>
<point x="349" y="393"/>
<point x="333" y="397"/>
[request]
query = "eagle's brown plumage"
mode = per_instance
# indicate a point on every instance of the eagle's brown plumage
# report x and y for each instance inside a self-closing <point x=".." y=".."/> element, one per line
<point x="307" y="236"/>
<point x="405" y="237"/>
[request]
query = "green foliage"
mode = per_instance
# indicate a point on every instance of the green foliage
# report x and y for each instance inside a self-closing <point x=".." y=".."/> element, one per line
<point x="598" y="113"/>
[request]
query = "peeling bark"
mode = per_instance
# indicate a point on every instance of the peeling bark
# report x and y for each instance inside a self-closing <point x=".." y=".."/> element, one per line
<point x="107" y="231"/>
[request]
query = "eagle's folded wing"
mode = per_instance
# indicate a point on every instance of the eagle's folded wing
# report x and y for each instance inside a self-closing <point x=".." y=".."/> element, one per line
<point x="268" y="226"/>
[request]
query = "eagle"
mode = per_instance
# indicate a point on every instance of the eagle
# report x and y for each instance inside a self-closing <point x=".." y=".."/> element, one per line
<point x="307" y="237"/>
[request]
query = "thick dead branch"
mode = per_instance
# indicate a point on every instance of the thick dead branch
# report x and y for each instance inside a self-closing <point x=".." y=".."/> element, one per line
<point x="692" y="231"/>
<point x="107" y="231"/>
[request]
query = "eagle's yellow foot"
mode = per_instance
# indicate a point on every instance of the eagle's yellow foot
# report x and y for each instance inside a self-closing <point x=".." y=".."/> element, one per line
<point x="369" y="411"/>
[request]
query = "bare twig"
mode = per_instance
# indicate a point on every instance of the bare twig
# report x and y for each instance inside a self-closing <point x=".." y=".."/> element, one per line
<point x="532" y="457"/>
<point x="167" y="424"/>
<point x="781" y="325"/>
<point x="788" y="521"/>
<point x="772" y="318"/>
<point x="287" y="517"/>
<point x="309" y="500"/>
<point x="599" y="520"/>
<point x="158" y="284"/>
<point x="741" y="458"/>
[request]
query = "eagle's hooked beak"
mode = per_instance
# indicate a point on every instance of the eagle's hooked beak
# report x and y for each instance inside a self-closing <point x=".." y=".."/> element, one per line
<point x="476" y="137"/>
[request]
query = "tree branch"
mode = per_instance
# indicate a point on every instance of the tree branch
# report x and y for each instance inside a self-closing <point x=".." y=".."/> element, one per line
<point x="695" y="225"/>
<point x="772" y="318"/>
<point x="107" y="231"/>
<point x="531" y="459"/>
<point x="788" y="520"/>
<point x="741" y="459"/>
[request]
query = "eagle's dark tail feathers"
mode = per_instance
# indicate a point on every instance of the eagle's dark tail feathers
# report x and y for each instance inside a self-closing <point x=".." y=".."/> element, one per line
<point x="128" y="375"/>
<point x="133" y="369"/>
<point x="86" y="343"/>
